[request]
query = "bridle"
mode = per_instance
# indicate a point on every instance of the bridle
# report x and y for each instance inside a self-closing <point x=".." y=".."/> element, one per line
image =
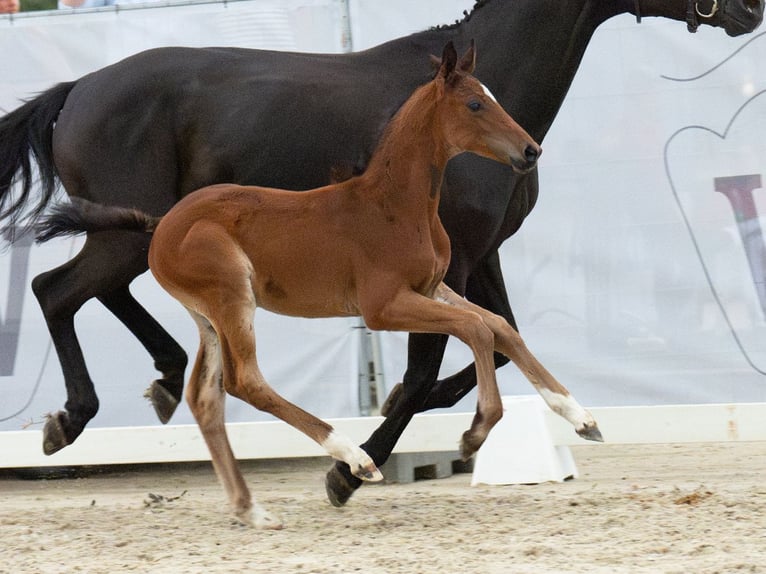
<point x="692" y="13"/>
<point x="693" y="10"/>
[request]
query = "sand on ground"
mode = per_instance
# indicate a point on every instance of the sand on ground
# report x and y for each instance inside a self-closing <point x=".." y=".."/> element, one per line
<point x="697" y="508"/>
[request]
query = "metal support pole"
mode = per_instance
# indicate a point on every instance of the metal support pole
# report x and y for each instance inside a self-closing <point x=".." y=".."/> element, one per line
<point x="372" y="385"/>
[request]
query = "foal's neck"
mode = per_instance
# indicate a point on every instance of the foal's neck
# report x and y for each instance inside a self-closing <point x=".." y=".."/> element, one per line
<point x="408" y="164"/>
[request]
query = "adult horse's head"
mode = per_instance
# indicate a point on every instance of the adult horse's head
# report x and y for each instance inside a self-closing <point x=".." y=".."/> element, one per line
<point x="740" y="16"/>
<point x="736" y="17"/>
<point x="475" y="121"/>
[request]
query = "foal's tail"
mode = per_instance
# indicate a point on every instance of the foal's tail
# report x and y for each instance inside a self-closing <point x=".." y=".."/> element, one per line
<point x="83" y="216"/>
<point x="26" y="138"/>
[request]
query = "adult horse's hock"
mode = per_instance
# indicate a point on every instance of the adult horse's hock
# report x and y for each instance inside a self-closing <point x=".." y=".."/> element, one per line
<point x="148" y="130"/>
<point x="372" y="246"/>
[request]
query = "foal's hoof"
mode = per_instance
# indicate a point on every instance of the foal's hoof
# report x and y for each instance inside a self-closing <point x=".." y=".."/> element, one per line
<point x="54" y="435"/>
<point x="259" y="518"/>
<point x="370" y="473"/>
<point x="265" y="520"/>
<point x="162" y="400"/>
<point x="340" y="484"/>
<point x="589" y="431"/>
<point x="391" y="399"/>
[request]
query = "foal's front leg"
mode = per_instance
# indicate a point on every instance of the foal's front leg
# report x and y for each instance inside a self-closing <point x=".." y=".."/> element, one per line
<point x="410" y="311"/>
<point x="509" y="342"/>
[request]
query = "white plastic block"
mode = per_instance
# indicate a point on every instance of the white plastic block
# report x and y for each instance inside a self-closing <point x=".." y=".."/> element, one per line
<point x="520" y="448"/>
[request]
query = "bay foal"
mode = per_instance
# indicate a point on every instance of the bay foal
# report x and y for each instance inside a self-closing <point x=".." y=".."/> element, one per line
<point x="372" y="246"/>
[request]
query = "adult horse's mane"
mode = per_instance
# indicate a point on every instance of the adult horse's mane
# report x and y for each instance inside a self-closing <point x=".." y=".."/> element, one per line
<point x="466" y="16"/>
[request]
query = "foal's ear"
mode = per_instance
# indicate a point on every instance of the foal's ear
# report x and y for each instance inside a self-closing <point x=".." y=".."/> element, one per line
<point x="448" y="61"/>
<point x="468" y="61"/>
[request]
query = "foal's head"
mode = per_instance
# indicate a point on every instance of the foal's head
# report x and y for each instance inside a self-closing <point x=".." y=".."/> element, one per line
<point x="472" y="119"/>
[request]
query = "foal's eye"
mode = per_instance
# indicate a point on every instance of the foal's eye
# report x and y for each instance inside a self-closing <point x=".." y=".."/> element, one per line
<point x="474" y="105"/>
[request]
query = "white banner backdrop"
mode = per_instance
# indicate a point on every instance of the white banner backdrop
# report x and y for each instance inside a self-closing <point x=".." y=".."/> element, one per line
<point x="612" y="290"/>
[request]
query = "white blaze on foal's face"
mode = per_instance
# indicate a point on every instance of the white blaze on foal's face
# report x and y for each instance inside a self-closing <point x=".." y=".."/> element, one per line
<point x="489" y="94"/>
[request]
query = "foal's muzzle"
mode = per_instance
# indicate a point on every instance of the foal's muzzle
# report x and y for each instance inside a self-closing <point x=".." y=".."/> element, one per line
<point x="531" y="154"/>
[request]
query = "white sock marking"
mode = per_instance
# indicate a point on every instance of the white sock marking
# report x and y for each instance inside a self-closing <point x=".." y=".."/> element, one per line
<point x="567" y="407"/>
<point x="340" y="447"/>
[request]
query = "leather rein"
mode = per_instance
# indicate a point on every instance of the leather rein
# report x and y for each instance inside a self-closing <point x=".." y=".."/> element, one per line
<point x="693" y="12"/>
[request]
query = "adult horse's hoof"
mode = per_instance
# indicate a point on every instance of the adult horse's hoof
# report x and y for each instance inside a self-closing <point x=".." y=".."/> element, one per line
<point x="162" y="400"/>
<point x="469" y="444"/>
<point x="590" y="431"/>
<point x="340" y="484"/>
<point x="391" y="400"/>
<point x="54" y="434"/>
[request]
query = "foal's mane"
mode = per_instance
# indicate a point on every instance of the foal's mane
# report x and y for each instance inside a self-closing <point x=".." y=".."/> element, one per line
<point x="414" y="116"/>
<point x="466" y="16"/>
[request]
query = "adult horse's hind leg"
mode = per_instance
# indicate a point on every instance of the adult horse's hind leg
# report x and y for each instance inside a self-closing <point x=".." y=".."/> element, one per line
<point x="169" y="357"/>
<point x="104" y="268"/>
<point x="61" y="292"/>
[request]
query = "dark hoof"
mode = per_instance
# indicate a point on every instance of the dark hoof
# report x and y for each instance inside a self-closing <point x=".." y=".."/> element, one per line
<point x="590" y="432"/>
<point x="162" y="400"/>
<point x="54" y="435"/>
<point x="340" y="485"/>
<point x="469" y="444"/>
<point x="391" y="400"/>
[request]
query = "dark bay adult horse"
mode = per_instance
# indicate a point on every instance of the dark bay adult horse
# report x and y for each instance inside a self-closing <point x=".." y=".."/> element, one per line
<point x="173" y="120"/>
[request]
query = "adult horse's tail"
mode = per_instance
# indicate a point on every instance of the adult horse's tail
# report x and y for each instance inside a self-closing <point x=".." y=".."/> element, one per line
<point x="26" y="137"/>
<point x="83" y="216"/>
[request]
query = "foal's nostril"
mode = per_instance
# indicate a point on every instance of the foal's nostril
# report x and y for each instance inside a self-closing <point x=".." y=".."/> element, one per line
<point x="531" y="153"/>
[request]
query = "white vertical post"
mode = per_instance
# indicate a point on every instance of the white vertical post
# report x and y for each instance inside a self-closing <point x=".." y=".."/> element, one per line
<point x="347" y="41"/>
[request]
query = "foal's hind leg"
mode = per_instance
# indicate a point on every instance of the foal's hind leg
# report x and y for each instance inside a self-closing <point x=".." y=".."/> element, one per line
<point x="242" y="378"/>
<point x="510" y="343"/>
<point x="206" y="397"/>
<point x="224" y="295"/>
